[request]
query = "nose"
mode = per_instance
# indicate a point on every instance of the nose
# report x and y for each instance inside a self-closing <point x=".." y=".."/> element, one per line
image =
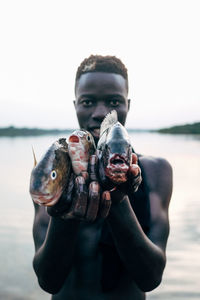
<point x="100" y="111"/>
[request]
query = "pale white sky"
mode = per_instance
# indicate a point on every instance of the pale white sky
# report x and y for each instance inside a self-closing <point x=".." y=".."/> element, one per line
<point x="43" y="42"/>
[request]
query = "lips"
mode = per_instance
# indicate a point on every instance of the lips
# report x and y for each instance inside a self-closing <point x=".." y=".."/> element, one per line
<point x="95" y="132"/>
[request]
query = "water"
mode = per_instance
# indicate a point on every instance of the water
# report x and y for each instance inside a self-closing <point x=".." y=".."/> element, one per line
<point x="181" y="276"/>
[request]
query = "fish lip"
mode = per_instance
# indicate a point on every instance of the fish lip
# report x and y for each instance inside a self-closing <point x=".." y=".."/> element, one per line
<point x="117" y="168"/>
<point x="46" y="199"/>
<point x="73" y="139"/>
<point x="37" y="195"/>
<point x="117" y="159"/>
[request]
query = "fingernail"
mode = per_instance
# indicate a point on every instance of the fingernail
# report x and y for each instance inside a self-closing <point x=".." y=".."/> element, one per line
<point x="93" y="159"/>
<point x="134" y="159"/>
<point x="106" y="195"/>
<point x="94" y="186"/>
<point x="85" y="175"/>
<point x="80" y="180"/>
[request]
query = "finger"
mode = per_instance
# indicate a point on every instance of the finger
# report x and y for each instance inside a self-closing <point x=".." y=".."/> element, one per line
<point x="134" y="170"/>
<point x="93" y="167"/>
<point x="105" y="204"/>
<point x="93" y="201"/>
<point x="85" y="175"/>
<point x="134" y="158"/>
<point x="136" y="180"/>
<point x="79" y="203"/>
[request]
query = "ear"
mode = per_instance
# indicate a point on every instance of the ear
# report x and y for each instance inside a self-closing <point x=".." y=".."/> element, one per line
<point x="74" y="101"/>
<point x="129" y="103"/>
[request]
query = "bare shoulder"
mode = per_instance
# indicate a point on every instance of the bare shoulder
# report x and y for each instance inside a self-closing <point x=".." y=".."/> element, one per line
<point x="158" y="174"/>
<point x="155" y="165"/>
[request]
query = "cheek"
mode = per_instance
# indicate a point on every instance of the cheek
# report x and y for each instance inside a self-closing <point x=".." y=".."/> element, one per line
<point x="122" y="114"/>
<point x="82" y="115"/>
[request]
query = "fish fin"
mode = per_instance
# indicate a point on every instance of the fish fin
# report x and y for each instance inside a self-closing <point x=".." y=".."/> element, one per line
<point x="63" y="144"/>
<point x="34" y="157"/>
<point x="109" y="120"/>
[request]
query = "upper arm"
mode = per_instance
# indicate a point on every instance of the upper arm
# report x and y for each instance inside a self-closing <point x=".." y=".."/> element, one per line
<point x="159" y="179"/>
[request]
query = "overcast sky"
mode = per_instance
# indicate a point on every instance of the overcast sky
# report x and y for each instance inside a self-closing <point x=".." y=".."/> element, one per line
<point x="43" y="42"/>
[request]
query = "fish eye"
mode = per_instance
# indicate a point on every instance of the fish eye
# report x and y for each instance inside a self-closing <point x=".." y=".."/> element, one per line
<point x="53" y="175"/>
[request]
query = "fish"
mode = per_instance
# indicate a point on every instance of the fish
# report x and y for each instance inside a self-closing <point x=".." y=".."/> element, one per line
<point x="81" y="146"/>
<point x="50" y="177"/>
<point x="114" y="150"/>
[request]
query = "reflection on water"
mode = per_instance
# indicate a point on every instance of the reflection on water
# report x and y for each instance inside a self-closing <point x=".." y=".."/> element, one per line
<point x="180" y="280"/>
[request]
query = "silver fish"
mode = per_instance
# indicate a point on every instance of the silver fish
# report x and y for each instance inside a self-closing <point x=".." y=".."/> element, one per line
<point x="81" y="147"/>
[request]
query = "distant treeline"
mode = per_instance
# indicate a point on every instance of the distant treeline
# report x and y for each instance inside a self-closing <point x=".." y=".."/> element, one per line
<point x="14" y="131"/>
<point x="193" y="128"/>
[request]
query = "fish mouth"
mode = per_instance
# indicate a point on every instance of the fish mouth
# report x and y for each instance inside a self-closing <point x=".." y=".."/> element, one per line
<point x="117" y="168"/>
<point x="47" y="199"/>
<point x="117" y="160"/>
<point x="73" y="139"/>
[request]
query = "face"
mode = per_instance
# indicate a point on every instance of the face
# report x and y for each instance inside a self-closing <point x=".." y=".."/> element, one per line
<point x="98" y="93"/>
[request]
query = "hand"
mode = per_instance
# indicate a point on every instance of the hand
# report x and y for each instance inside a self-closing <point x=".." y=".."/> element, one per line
<point x="130" y="186"/>
<point x="81" y="201"/>
<point x="135" y="177"/>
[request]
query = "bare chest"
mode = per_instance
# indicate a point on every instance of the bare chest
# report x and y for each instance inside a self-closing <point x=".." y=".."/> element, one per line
<point x="85" y="279"/>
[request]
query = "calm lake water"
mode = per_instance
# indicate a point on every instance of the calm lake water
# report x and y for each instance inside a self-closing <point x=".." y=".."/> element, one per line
<point x="182" y="274"/>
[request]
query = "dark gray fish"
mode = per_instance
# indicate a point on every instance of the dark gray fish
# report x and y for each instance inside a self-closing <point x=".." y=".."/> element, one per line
<point x="114" y="150"/>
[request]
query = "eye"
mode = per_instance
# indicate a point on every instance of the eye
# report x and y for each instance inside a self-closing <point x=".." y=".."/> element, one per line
<point x="114" y="102"/>
<point x="87" y="103"/>
<point x="88" y="138"/>
<point x="53" y="175"/>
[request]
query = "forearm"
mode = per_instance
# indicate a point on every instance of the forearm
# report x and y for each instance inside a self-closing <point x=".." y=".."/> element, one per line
<point x="53" y="259"/>
<point x="144" y="260"/>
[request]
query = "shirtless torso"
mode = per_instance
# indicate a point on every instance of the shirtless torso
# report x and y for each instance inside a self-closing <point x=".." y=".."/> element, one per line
<point x="77" y="260"/>
<point x="81" y="273"/>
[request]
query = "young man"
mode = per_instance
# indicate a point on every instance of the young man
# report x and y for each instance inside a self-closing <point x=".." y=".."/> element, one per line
<point x="123" y="255"/>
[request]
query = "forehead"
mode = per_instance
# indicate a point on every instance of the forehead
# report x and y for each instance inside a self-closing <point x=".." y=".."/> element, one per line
<point x="101" y="82"/>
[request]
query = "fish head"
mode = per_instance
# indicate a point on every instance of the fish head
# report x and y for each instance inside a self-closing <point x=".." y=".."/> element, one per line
<point x="50" y="176"/>
<point x="116" y="153"/>
<point x="82" y="139"/>
<point x="81" y="146"/>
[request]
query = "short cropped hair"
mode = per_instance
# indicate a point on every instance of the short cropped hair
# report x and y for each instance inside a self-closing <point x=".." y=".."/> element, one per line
<point x="99" y="63"/>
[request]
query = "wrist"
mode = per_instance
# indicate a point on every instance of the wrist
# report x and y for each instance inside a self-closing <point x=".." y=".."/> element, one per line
<point x="117" y="196"/>
<point x="60" y="222"/>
